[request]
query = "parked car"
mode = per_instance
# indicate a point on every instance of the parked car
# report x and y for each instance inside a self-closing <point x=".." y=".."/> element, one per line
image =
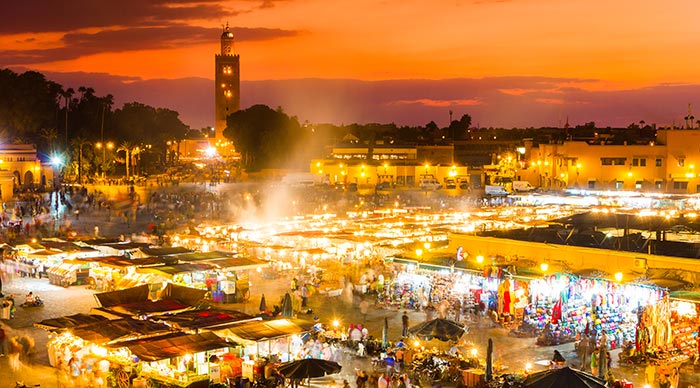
<point x="522" y="186"/>
<point x="495" y="190"/>
<point x="429" y="184"/>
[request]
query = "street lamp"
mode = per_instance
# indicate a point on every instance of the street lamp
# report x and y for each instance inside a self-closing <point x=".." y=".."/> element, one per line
<point x="56" y="162"/>
<point x="104" y="147"/>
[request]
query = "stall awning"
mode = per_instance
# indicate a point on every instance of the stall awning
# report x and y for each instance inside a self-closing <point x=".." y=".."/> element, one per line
<point x="65" y="246"/>
<point x="69" y="321"/>
<point x="172" y="270"/>
<point x="186" y="295"/>
<point x="436" y="263"/>
<point x="119" y="329"/>
<point x="129" y="295"/>
<point x="236" y="263"/>
<point x="166" y="348"/>
<point x="165" y="251"/>
<point x="149" y="307"/>
<point x="199" y="319"/>
<point x="255" y="331"/>
<point x="122" y="262"/>
<point x="124" y="246"/>
<point x="199" y="256"/>
<point x="686" y="296"/>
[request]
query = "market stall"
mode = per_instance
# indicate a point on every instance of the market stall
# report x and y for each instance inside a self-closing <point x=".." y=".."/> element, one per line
<point x="69" y="272"/>
<point x="276" y="339"/>
<point x="186" y="274"/>
<point x="111" y="273"/>
<point x="565" y="307"/>
<point x="81" y="340"/>
<point x="177" y="361"/>
<point x="229" y="278"/>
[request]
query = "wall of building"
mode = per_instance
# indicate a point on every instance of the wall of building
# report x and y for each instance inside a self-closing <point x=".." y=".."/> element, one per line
<point x="579" y="164"/>
<point x="400" y="173"/>
<point x="21" y="165"/>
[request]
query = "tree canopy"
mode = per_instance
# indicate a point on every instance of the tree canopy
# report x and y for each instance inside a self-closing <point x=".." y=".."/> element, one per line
<point x="266" y="138"/>
<point x="36" y="110"/>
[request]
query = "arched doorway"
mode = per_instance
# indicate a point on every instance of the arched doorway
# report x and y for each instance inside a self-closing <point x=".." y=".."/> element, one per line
<point x="28" y="179"/>
<point x="17" y="179"/>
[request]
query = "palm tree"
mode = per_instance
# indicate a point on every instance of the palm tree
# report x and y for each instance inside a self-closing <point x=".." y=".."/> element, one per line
<point x="131" y="150"/>
<point x="49" y="135"/>
<point x="67" y="94"/>
<point x="79" y="142"/>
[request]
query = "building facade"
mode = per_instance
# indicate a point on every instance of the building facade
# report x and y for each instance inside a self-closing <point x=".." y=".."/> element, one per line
<point x="670" y="164"/>
<point x="402" y="166"/>
<point x="20" y="168"/>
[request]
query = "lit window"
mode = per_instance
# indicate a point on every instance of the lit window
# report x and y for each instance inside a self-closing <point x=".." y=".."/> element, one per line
<point x="680" y="185"/>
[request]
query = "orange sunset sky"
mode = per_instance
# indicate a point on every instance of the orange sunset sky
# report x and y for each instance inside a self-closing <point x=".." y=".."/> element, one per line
<point x="538" y="59"/>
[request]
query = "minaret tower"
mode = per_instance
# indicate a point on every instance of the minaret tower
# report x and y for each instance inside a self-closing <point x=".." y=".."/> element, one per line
<point x="227" y="83"/>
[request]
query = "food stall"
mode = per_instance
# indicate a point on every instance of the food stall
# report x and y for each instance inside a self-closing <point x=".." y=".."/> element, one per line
<point x="128" y="353"/>
<point x="82" y="340"/>
<point x="181" y="360"/>
<point x="69" y="272"/>
<point x="187" y="274"/>
<point x="229" y="282"/>
<point x="111" y="273"/>
<point x="277" y="339"/>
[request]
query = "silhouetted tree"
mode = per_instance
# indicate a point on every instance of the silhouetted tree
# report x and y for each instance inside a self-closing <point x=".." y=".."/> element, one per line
<point x="266" y="138"/>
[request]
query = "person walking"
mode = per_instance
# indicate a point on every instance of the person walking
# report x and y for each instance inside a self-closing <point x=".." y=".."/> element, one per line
<point x="304" y="295"/>
<point x="595" y="362"/>
<point x="404" y="324"/>
<point x="3" y="340"/>
<point x="361" y="379"/>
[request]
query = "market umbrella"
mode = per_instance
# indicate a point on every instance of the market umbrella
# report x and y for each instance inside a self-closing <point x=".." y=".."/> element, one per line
<point x="439" y="328"/>
<point x="308" y="368"/>
<point x="263" y="305"/>
<point x="385" y="333"/>
<point x="563" y="377"/>
<point x="489" y="360"/>
<point x="287" y="310"/>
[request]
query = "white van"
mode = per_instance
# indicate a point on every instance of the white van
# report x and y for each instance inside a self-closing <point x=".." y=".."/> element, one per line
<point x="429" y="184"/>
<point x="522" y="186"/>
<point x="495" y="190"/>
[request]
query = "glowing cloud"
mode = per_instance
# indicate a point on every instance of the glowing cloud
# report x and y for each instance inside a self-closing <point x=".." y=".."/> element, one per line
<point x="438" y="103"/>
